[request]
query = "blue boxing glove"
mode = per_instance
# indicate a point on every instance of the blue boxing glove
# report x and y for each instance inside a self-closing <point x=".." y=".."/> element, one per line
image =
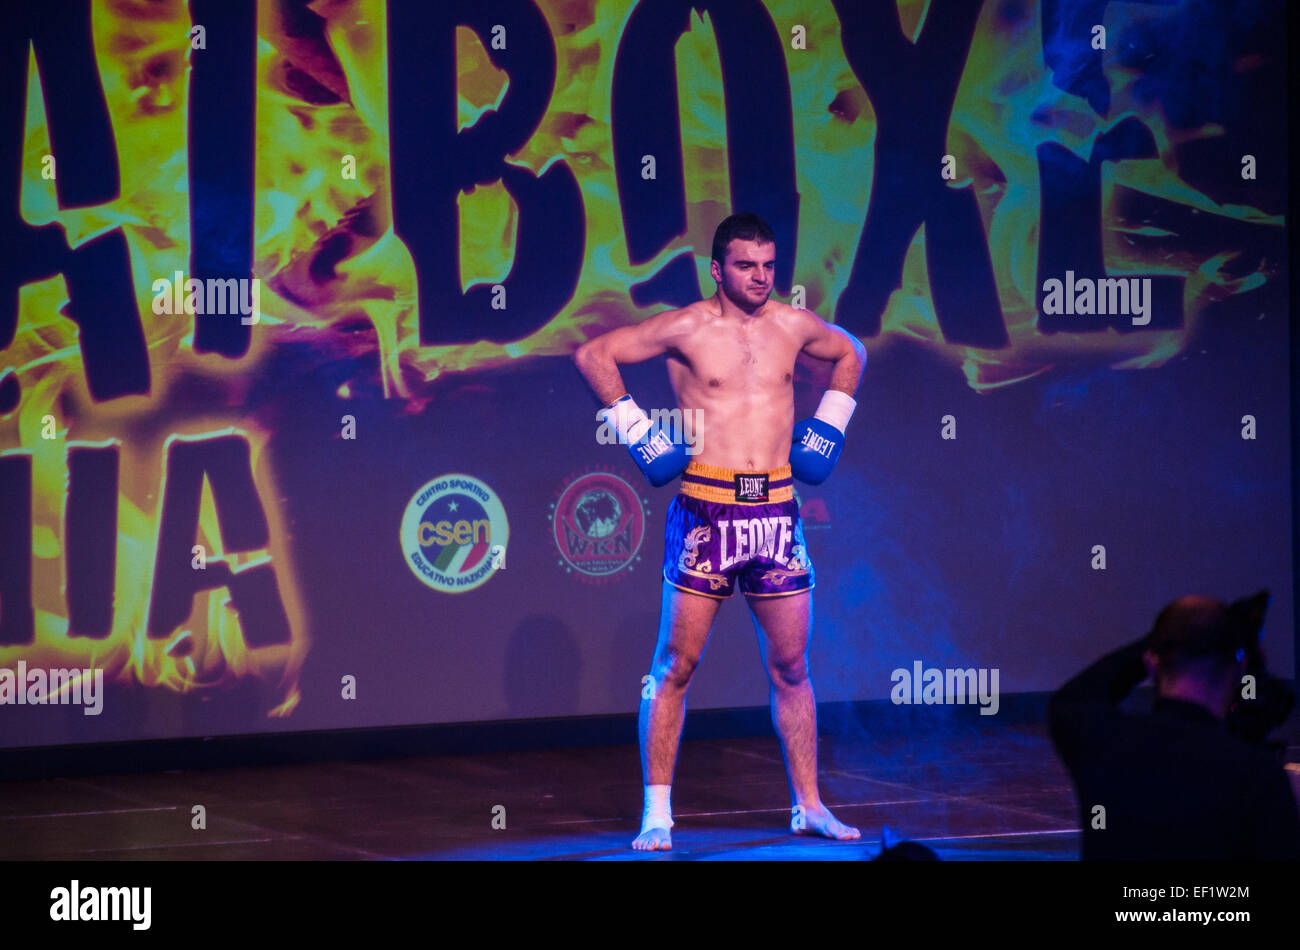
<point x="659" y="458"/>
<point x="817" y="442"/>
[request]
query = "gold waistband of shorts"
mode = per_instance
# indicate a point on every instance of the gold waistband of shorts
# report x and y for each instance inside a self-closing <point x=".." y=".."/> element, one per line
<point x="726" y="494"/>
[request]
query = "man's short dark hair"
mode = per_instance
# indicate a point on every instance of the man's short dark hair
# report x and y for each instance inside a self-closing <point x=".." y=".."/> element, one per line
<point x="744" y="227"/>
<point x="1199" y="631"/>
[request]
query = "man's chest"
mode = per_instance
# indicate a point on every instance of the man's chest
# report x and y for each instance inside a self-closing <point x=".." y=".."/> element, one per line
<point x="731" y="358"/>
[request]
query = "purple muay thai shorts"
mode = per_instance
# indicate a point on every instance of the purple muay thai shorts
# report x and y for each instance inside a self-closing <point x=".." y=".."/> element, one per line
<point x="726" y="526"/>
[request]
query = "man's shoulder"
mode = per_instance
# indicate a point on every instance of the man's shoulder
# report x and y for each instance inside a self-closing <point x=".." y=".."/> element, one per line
<point x="786" y="312"/>
<point x="1099" y="729"/>
<point x="803" y="323"/>
<point x="671" y="327"/>
<point x="684" y="319"/>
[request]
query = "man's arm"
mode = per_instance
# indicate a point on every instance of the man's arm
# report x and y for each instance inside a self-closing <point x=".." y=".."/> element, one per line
<point x="1108" y="680"/>
<point x="598" y="359"/>
<point x="825" y="341"/>
<point x="1090" y="698"/>
<point x="656" y="453"/>
<point x="817" y="442"/>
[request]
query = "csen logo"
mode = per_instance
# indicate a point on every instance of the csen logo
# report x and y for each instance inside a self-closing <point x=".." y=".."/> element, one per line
<point x="103" y="903"/>
<point x="461" y="532"/>
<point x="450" y="530"/>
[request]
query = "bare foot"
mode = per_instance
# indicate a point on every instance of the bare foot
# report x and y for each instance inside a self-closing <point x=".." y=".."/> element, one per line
<point x="653" y="839"/>
<point x="818" y="820"/>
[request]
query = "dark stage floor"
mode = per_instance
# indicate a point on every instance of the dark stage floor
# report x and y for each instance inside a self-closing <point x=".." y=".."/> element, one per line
<point x="975" y="792"/>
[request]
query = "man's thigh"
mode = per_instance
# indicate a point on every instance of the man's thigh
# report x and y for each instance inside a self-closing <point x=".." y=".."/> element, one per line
<point x="783" y="625"/>
<point x="684" y="622"/>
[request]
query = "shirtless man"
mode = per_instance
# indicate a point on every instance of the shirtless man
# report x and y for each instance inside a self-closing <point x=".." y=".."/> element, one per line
<point x="731" y="359"/>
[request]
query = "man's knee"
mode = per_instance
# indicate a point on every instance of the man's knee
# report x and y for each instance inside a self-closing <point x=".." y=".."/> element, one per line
<point x="788" y="673"/>
<point x="674" y="668"/>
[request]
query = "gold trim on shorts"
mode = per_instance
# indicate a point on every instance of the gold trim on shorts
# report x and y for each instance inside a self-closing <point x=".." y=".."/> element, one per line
<point x="727" y="495"/>
<point x="779" y="593"/>
<point x="692" y="590"/>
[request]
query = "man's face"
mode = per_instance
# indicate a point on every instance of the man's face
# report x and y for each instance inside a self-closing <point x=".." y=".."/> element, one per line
<point x="747" y="274"/>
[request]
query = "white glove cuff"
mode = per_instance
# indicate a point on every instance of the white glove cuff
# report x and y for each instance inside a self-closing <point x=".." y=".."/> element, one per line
<point x="627" y="419"/>
<point x="836" y="409"/>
